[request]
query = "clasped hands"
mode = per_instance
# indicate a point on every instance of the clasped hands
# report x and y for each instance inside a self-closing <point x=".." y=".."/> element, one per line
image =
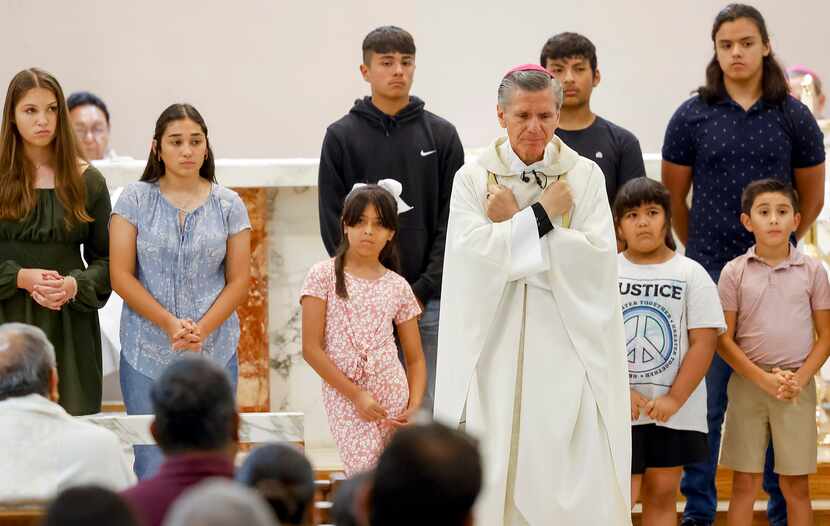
<point x="47" y="287"/>
<point x="778" y="383"/>
<point x="781" y="384"/>
<point x="501" y="204"/>
<point x="368" y="409"/>
<point x="184" y="334"/>
<point x="660" y="409"/>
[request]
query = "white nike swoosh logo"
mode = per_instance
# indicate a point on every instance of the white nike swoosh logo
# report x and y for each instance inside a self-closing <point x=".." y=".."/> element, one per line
<point x="424" y="154"/>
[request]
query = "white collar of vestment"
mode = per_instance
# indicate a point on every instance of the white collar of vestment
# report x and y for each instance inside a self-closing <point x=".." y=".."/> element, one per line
<point x="515" y="164"/>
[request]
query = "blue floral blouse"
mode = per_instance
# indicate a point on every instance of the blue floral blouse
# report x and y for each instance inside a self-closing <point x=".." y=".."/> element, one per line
<point x="182" y="266"/>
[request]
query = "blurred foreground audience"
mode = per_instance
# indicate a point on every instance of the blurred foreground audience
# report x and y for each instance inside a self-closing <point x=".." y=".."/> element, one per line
<point x="45" y="450"/>
<point x="428" y="474"/>
<point x="196" y="426"/>
<point x="220" y="502"/>
<point x="283" y="476"/>
<point x="88" y="505"/>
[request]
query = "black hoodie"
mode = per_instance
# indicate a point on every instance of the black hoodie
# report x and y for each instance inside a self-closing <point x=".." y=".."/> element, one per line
<point x="415" y="147"/>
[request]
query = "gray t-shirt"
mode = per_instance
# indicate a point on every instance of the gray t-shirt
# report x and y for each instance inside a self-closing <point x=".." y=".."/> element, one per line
<point x="615" y="149"/>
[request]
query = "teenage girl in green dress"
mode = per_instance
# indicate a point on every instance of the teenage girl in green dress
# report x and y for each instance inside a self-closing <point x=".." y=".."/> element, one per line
<point x="52" y="202"/>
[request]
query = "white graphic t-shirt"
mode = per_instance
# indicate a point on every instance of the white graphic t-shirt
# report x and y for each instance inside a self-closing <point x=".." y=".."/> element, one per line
<point x="660" y="304"/>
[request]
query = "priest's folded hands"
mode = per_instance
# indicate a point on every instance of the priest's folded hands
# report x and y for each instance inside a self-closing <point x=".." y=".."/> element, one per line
<point x="501" y="204"/>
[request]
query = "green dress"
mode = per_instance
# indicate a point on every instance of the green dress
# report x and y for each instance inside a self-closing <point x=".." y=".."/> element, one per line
<point x="41" y="240"/>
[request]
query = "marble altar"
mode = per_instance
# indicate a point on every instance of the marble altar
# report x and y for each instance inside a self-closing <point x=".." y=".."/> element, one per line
<point x="254" y="428"/>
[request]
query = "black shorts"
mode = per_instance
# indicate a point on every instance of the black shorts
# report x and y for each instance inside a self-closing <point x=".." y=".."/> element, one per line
<point x="656" y="446"/>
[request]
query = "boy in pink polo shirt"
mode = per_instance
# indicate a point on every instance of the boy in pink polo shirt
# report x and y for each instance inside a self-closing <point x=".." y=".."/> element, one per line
<point x="775" y="300"/>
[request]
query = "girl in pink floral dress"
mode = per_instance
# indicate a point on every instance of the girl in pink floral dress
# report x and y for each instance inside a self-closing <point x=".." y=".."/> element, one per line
<point x="350" y="304"/>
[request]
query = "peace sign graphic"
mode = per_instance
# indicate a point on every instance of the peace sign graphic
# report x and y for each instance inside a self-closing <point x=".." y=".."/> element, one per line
<point x="648" y="338"/>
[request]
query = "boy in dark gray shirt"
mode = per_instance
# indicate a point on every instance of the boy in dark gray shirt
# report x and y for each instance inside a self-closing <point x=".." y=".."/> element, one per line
<point x="572" y="59"/>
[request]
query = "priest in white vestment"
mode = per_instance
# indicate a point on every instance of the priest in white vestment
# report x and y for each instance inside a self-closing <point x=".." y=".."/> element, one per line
<point x="531" y="350"/>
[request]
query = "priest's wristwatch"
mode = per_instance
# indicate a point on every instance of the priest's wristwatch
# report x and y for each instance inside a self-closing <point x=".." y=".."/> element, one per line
<point x="543" y="223"/>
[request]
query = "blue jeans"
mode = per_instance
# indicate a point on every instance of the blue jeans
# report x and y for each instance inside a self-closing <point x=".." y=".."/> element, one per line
<point x="428" y="325"/>
<point x="136" y="390"/>
<point x="698" y="482"/>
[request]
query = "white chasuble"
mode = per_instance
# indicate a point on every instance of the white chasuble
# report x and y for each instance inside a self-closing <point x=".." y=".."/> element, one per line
<point x="531" y="350"/>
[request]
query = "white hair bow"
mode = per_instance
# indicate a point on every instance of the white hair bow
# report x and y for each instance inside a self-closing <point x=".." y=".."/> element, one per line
<point x="393" y="187"/>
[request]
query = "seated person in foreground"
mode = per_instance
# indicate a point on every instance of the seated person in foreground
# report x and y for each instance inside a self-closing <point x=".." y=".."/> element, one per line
<point x="219" y="502"/>
<point x="283" y="476"/>
<point x="88" y="505"/>
<point x="348" y="508"/>
<point x="196" y="426"/>
<point x="428" y="474"/>
<point x="45" y="450"/>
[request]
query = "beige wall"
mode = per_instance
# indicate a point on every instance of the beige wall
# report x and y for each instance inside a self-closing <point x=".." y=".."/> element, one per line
<point x="269" y="75"/>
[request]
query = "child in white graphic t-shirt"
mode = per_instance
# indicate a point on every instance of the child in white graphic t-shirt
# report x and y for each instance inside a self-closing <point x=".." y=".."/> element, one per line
<point x="672" y="317"/>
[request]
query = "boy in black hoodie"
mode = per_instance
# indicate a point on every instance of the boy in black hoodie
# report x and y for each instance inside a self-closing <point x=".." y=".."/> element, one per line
<point x="390" y="136"/>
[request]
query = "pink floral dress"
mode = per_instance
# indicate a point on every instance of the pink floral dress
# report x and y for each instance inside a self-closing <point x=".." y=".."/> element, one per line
<point x="360" y="342"/>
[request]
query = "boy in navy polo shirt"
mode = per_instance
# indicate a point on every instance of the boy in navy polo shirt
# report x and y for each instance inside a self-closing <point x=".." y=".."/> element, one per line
<point x="741" y="126"/>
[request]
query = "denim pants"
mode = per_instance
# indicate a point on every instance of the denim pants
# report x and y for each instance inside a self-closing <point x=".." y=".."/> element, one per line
<point x="698" y="482"/>
<point x="428" y="325"/>
<point x="135" y="387"/>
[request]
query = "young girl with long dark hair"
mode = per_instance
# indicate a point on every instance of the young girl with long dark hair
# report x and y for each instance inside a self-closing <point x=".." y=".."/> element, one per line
<point x="350" y="304"/>
<point x="672" y="318"/>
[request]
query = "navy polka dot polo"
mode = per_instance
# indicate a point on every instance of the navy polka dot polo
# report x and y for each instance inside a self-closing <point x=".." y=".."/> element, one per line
<point x="728" y="148"/>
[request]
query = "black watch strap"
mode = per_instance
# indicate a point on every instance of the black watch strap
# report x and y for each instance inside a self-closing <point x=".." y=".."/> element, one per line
<point x="543" y="224"/>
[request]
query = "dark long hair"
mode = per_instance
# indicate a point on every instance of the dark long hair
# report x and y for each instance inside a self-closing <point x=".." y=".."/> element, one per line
<point x="774" y="86"/>
<point x="17" y="174"/>
<point x="640" y="191"/>
<point x="356" y="203"/>
<point x="176" y="112"/>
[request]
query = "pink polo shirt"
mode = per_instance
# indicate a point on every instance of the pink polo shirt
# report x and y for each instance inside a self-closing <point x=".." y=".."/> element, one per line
<point x="774" y="306"/>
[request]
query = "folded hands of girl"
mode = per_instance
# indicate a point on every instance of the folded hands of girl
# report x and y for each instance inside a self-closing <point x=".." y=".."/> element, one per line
<point x="48" y="288"/>
<point x="184" y="334"/>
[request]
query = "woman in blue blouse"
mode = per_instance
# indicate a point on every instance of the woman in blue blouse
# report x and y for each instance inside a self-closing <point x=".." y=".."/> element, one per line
<point x="180" y="258"/>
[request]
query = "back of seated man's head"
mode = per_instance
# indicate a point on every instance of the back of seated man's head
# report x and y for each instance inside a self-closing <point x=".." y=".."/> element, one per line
<point x="194" y="408"/>
<point x="87" y="505"/>
<point x="428" y="474"/>
<point x="27" y="362"/>
<point x="220" y="502"/>
<point x="283" y="475"/>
